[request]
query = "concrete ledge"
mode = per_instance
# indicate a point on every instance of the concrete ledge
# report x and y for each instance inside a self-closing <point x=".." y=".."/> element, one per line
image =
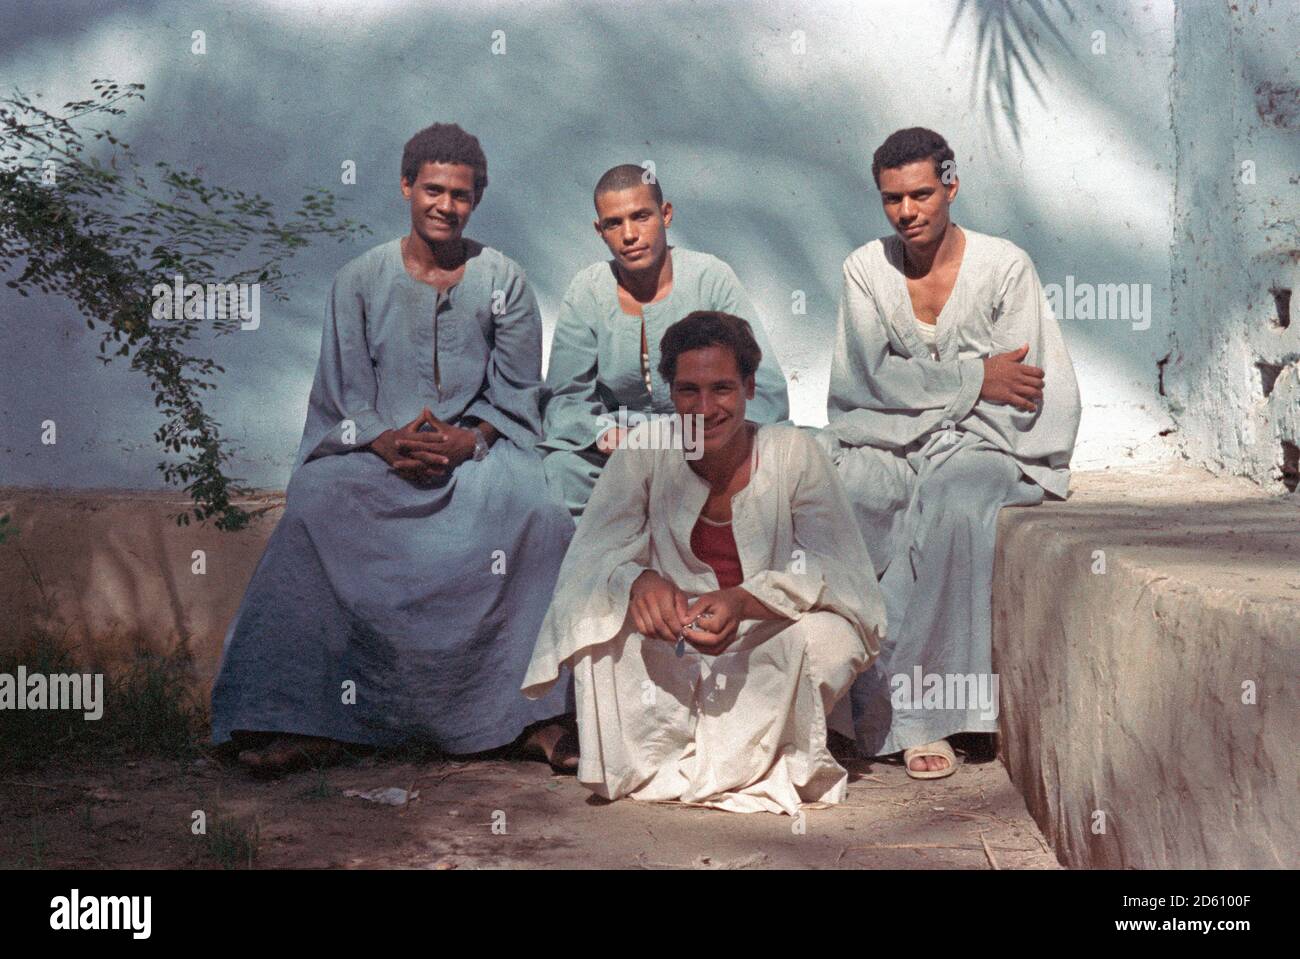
<point x="1122" y="690"/>
<point x="111" y="575"/>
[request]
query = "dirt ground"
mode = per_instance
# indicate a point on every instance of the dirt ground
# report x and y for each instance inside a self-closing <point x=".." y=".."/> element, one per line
<point x="491" y="814"/>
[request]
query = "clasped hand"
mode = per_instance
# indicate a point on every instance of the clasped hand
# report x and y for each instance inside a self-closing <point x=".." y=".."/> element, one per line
<point x="661" y="611"/>
<point x="418" y="454"/>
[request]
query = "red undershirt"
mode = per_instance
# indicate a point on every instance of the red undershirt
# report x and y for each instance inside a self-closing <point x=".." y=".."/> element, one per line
<point x="716" y="546"/>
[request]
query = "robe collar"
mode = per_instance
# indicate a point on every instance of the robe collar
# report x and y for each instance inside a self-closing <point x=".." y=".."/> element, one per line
<point x="688" y="491"/>
<point x="902" y="318"/>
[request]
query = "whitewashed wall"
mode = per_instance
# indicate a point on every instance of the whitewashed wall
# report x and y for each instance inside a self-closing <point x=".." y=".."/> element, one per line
<point x="1233" y="375"/>
<point x="760" y="118"/>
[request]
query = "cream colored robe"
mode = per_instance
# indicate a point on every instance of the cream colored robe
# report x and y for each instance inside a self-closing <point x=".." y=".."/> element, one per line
<point x="744" y="730"/>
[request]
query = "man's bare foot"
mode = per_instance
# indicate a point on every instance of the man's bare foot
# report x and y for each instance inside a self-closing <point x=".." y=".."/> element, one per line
<point x="289" y="753"/>
<point x="555" y="744"/>
<point x="927" y="763"/>
<point x="931" y="761"/>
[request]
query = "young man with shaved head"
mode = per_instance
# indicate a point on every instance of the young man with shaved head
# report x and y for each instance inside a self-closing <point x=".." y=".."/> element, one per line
<point x="604" y="355"/>
<point x="951" y="396"/>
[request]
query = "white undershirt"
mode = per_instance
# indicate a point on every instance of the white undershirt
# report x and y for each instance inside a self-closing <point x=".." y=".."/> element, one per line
<point x="927" y="334"/>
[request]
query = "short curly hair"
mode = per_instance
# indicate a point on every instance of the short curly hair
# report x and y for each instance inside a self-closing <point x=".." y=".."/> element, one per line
<point x="709" y="328"/>
<point x="445" y="143"/>
<point x="907" y="146"/>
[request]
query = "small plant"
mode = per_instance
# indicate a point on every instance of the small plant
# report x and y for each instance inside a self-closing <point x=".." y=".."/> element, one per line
<point x="233" y="844"/>
<point x="152" y="709"/>
<point x="148" y="711"/>
<point x="39" y="843"/>
<point x="34" y="738"/>
<point x="320" y="789"/>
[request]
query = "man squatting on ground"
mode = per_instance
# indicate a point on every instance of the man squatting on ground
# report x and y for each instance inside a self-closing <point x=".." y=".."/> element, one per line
<point x="714" y="605"/>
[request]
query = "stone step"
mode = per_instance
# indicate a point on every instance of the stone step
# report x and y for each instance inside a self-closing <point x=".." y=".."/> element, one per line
<point x="1127" y="625"/>
<point x="1146" y="635"/>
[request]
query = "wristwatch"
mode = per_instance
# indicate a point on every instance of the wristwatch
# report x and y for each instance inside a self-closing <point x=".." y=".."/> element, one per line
<point x="480" y="446"/>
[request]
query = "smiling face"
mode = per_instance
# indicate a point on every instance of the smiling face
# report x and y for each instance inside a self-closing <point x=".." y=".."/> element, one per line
<point x="708" y="384"/>
<point x="916" y="202"/>
<point x="442" y="199"/>
<point x="633" y="226"/>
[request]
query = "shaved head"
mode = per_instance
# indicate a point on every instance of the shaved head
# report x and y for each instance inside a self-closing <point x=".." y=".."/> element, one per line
<point x="625" y="176"/>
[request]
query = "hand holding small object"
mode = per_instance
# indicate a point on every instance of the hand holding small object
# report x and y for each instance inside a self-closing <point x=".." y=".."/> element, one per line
<point x="723" y="610"/>
<point x="657" y="607"/>
<point x="680" y="649"/>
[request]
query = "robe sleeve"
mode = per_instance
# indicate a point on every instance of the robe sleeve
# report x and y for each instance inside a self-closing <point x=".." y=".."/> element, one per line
<point x="830" y="568"/>
<point x="610" y="549"/>
<point x="573" y="408"/>
<point x="1043" y="440"/>
<point x="344" y="392"/>
<point x="879" y="398"/>
<point x="513" y="389"/>
<point x="771" y="402"/>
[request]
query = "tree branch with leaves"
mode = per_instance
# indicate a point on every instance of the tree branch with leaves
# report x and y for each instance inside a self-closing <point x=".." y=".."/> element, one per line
<point x="102" y="231"/>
